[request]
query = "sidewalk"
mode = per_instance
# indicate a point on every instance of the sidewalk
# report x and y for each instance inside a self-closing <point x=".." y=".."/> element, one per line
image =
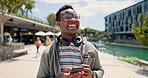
<point x="26" y="66"/>
<point x="118" y="69"/>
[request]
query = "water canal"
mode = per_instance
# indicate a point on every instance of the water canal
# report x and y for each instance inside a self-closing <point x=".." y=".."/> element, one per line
<point x="126" y="51"/>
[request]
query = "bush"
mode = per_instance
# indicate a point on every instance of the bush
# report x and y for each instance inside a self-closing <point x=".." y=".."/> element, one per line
<point x="5" y="43"/>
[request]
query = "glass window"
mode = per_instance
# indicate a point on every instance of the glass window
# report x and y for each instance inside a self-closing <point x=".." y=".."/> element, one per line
<point x="140" y="9"/>
<point x="135" y="12"/>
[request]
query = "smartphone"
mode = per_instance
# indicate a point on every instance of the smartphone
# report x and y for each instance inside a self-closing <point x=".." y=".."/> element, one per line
<point x="76" y="69"/>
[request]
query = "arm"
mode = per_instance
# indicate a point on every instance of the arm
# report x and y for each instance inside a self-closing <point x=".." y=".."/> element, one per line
<point x="43" y="71"/>
<point x="95" y="65"/>
<point x="98" y="70"/>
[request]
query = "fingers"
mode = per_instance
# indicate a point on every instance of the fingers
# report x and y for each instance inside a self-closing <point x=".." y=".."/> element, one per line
<point x="67" y="74"/>
<point x="87" y="72"/>
<point x="67" y="70"/>
<point x="85" y="65"/>
<point x="73" y="75"/>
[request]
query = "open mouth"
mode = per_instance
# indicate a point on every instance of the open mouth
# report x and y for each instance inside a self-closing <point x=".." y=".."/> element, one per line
<point x="72" y="27"/>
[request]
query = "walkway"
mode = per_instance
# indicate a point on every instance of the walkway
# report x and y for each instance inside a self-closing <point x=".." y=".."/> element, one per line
<point x="118" y="69"/>
<point x="26" y="66"/>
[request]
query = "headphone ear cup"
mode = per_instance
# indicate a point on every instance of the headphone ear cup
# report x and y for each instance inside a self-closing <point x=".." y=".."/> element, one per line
<point x="77" y="41"/>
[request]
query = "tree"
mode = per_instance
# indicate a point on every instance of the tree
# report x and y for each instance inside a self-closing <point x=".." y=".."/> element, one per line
<point x="93" y="31"/>
<point x="12" y="6"/>
<point x="51" y="19"/>
<point x="140" y="29"/>
<point x="80" y="31"/>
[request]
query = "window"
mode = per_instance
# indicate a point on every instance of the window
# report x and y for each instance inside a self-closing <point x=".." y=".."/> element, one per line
<point x="129" y="12"/>
<point x="105" y="19"/>
<point x="109" y="19"/>
<point x="146" y="6"/>
<point x="135" y="11"/>
<point x="140" y="9"/>
<point x="121" y="28"/>
<point x="126" y="28"/>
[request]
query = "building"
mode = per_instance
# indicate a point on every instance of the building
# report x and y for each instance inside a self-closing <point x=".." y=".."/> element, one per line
<point x="23" y="30"/>
<point x="120" y="22"/>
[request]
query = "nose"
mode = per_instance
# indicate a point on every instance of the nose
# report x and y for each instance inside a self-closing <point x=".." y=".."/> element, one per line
<point x="73" y="21"/>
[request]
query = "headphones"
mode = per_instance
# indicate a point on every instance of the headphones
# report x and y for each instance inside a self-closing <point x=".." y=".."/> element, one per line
<point x="77" y="41"/>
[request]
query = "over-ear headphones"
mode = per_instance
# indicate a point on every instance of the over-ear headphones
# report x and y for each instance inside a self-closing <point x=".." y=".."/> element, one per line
<point x="77" y="41"/>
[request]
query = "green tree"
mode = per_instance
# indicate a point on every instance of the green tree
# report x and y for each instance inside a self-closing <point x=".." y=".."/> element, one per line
<point x="140" y="29"/>
<point x="12" y="6"/>
<point x="51" y="19"/>
<point x="80" y="31"/>
<point x="93" y="31"/>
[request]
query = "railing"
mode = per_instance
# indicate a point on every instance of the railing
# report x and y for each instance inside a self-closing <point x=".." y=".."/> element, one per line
<point x="31" y="16"/>
<point x="35" y="17"/>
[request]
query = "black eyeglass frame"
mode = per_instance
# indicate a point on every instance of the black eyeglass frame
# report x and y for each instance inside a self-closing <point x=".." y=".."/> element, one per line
<point x="71" y="17"/>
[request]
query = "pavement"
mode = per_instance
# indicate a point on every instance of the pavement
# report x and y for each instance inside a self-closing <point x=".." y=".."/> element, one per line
<point x="26" y="66"/>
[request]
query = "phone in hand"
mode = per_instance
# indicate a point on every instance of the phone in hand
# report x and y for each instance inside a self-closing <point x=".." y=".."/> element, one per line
<point x="76" y="69"/>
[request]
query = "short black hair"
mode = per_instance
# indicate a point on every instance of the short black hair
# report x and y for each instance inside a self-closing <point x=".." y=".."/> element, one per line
<point x="62" y="9"/>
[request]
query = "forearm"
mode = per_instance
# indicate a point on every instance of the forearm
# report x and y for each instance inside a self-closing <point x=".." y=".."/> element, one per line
<point x="98" y="73"/>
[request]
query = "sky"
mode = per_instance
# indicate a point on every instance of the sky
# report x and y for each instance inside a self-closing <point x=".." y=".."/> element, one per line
<point x="92" y="12"/>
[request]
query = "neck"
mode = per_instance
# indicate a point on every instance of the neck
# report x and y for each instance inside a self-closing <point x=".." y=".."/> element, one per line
<point x="68" y="37"/>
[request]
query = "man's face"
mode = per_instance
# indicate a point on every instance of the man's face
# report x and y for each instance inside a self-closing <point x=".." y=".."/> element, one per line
<point x="69" y="22"/>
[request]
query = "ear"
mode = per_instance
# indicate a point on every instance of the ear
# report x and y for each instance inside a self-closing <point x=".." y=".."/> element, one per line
<point x="58" y="23"/>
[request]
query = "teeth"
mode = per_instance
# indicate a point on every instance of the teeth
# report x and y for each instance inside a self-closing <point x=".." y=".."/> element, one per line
<point x="72" y="25"/>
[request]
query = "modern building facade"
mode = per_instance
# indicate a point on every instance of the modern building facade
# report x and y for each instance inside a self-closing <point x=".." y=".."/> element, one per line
<point x="120" y="22"/>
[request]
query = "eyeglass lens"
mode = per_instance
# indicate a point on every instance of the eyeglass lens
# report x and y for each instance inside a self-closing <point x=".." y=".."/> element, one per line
<point x="69" y="17"/>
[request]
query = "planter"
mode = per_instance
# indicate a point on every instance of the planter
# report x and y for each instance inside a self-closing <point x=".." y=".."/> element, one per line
<point x="6" y="51"/>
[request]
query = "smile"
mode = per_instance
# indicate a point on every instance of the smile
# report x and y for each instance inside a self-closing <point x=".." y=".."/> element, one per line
<point x="72" y="27"/>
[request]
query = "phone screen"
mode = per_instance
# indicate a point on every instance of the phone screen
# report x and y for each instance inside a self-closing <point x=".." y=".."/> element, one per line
<point x="76" y="69"/>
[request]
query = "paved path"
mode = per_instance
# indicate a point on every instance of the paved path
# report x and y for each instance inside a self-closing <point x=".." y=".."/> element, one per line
<point x="117" y="69"/>
<point x="26" y="66"/>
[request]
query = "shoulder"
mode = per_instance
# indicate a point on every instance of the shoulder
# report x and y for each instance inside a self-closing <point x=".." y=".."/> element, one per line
<point x="50" y="48"/>
<point x="90" y="47"/>
<point x="89" y="44"/>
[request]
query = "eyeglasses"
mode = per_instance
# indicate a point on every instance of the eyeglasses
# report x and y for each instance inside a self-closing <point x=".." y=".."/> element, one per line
<point x="68" y="17"/>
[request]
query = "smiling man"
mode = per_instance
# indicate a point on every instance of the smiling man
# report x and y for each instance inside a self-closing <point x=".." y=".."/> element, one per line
<point x="69" y="56"/>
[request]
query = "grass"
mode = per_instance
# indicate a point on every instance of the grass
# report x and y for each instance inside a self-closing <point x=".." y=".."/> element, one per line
<point x="22" y="16"/>
<point x="131" y="60"/>
<point x="128" y="45"/>
<point x="109" y="42"/>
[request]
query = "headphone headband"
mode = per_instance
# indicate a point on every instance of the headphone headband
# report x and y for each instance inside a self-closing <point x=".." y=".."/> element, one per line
<point x="77" y="41"/>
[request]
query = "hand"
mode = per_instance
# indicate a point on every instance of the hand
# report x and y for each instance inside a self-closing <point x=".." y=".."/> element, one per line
<point x="67" y="74"/>
<point x="86" y="73"/>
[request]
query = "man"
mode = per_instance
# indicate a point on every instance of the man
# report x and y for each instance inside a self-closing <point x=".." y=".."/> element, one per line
<point x="69" y="51"/>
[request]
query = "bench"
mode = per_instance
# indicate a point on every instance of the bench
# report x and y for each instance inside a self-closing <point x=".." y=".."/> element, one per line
<point x="144" y="64"/>
<point x="20" y="52"/>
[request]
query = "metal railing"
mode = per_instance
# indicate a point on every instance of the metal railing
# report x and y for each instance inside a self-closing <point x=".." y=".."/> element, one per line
<point x="31" y="16"/>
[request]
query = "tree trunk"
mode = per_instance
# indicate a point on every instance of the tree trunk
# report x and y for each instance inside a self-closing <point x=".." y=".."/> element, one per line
<point x="2" y="21"/>
<point x="1" y="32"/>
